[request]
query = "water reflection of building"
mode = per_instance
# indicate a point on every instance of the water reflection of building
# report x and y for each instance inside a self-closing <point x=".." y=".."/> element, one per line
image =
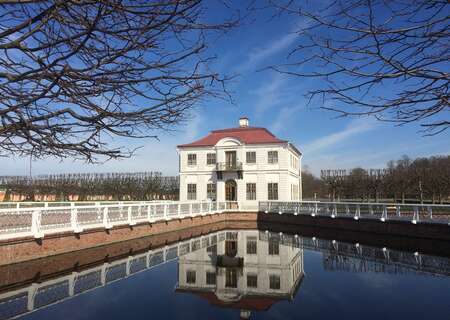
<point x="242" y="272"/>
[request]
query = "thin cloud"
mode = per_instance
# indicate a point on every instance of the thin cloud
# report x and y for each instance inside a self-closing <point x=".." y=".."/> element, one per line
<point x="353" y="128"/>
<point x="284" y="115"/>
<point x="257" y="56"/>
<point x="269" y="94"/>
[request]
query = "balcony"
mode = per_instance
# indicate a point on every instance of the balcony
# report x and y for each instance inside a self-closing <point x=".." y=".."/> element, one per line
<point x="229" y="166"/>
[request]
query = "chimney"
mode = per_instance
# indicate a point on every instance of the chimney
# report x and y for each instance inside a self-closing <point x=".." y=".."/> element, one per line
<point x="243" y="122"/>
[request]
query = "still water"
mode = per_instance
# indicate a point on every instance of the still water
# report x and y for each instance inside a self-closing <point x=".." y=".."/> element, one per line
<point x="245" y="274"/>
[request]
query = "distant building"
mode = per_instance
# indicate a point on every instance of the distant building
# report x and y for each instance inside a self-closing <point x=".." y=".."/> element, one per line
<point x="268" y="272"/>
<point x="245" y="164"/>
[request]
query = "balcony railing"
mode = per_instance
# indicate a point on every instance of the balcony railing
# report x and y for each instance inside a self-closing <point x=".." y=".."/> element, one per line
<point x="229" y="166"/>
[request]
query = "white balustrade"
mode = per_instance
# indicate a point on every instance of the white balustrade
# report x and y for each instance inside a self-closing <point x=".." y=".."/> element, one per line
<point x="38" y="221"/>
<point x="413" y="213"/>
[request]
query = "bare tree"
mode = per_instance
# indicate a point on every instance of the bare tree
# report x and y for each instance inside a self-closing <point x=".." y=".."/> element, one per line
<point x="383" y="58"/>
<point x="75" y="74"/>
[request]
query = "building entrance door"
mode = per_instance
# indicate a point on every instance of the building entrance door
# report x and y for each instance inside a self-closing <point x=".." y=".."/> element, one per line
<point x="230" y="190"/>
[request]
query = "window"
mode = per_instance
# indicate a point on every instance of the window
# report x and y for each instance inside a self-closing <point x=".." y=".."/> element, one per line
<point x="252" y="280"/>
<point x="210" y="158"/>
<point x="210" y="278"/>
<point x="274" y="281"/>
<point x="272" y="193"/>
<point x="212" y="249"/>
<point x="190" y="276"/>
<point x="192" y="159"/>
<point x="274" y="247"/>
<point x="251" y="157"/>
<point x="219" y="175"/>
<point x="231" y="278"/>
<point x="272" y="157"/>
<point x="251" y="245"/>
<point x="211" y="191"/>
<point x="191" y="191"/>
<point x="251" y="191"/>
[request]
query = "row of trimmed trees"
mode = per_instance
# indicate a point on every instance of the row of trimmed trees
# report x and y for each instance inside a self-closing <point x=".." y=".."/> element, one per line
<point x="91" y="186"/>
<point x="403" y="180"/>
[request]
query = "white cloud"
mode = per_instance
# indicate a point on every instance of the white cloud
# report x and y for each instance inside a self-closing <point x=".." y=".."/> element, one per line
<point x="354" y="128"/>
<point x="256" y="56"/>
<point x="269" y="94"/>
<point x="283" y="117"/>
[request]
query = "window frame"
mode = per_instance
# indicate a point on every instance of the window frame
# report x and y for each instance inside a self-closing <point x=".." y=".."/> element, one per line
<point x="247" y="157"/>
<point x="189" y="193"/>
<point x="273" y="248"/>
<point x="209" y="192"/>
<point x="191" y="274"/>
<point x="209" y="275"/>
<point x="191" y="162"/>
<point x="251" y="245"/>
<point x="272" y="191"/>
<point x="250" y="194"/>
<point x="209" y="161"/>
<point x="274" y="282"/>
<point x="254" y="278"/>
<point x="272" y="157"/>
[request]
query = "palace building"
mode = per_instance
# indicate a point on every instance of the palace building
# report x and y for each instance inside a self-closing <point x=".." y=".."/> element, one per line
<point x="245" y="164"/>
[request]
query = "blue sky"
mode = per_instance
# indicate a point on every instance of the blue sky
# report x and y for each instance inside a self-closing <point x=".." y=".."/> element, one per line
<point x="270" y="100"/>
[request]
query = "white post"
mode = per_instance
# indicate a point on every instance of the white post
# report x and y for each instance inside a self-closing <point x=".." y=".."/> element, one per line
<point x="179" y="209"/>
<point x="72" y="278"/>
<point x="105" y="219"/>
<point x="128" y="265"/>
<point x="149" y="213"/>
<point x="416" y="215"/>
<point x="74" y="220"/>
<point x="103" y="273"/>
<point x="130" y="222"/>
<point x="190" y="209"/>
<point x="32" y="290"/>
<point x="36" y="224"/>
<point x="384" y="214"/>
<point x="357" y="212"/>
<point x="165" y="212"/>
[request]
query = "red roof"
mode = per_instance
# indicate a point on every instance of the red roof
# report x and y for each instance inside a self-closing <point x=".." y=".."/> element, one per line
<point x="247" y="135"/>
<point x="247" y="302"/>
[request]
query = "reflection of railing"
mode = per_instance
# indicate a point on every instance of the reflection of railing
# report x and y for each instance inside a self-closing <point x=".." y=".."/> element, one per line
<point x="364" y="258"/>
<point x="40" y="221"/>
<point x="43" y="294"/>
<point x="229" y="166"/>
<point x="415" y="213"/>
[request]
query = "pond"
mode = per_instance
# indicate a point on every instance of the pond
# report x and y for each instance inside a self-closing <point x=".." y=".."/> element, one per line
<point x="245" y="274"/>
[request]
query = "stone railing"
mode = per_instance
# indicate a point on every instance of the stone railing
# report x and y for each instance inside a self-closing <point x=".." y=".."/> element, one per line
<point x="40" y="221"/>
<point x="415" y="213"/>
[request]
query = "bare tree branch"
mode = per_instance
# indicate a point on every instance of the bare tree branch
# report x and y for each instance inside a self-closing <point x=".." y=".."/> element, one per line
<point x="74" y="74"/>
<point x="384" y="58"/>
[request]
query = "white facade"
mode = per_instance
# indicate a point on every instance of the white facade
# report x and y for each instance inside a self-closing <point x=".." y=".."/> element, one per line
<point x="239" y="171"/>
